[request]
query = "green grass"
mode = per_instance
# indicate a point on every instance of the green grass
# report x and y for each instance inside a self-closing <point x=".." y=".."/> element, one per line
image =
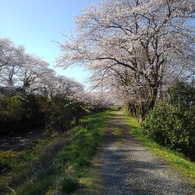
<point x="57" y="165"/>
<point x="172" y="157"/>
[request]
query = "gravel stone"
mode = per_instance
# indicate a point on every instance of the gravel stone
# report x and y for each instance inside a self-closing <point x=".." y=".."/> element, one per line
<point x="128" y="168"/>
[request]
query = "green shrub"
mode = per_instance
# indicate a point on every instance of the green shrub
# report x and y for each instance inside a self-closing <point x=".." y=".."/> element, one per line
<point x="181" y="95"/>
<point x="171" y="123"/>
<point x="58" y="116"/>
<point x="20" y="111"/>
<point x="62" y="113"/>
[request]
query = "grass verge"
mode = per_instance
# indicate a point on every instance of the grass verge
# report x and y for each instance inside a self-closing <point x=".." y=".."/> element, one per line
<point x="174" y="158"/>
<point x="55" y="166"/>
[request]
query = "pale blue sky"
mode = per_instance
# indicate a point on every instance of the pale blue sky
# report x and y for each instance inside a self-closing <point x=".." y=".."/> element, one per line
<point x="37" y="23"/>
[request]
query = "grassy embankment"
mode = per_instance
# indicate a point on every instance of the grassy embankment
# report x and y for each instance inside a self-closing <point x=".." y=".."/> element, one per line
<point x="59" y="164"/>
<point x="55" y="165"/>
<point x="174" y="158"/>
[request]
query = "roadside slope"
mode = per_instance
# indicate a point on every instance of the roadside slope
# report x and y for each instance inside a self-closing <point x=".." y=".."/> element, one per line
<point x="125" y="167"/>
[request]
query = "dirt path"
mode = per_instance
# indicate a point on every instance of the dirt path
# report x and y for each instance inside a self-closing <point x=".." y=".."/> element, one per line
<point x="125" y="167"/>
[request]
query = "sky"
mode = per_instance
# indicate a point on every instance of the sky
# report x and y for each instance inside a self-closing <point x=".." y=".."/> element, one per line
<point x="39" y="24"/>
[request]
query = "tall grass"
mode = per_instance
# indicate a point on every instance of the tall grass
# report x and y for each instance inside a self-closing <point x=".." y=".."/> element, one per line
<point x="55" y="166"/>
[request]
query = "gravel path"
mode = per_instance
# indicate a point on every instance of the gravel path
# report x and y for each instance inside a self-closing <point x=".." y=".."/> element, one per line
<point x="127" y="168"/>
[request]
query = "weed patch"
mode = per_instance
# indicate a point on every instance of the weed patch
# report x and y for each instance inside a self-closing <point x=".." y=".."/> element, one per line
<point x="57" y="164"/>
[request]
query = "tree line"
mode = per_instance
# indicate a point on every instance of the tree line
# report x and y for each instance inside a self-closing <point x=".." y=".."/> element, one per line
<point x="135" y="48"/>
<point x="139" y="51"/>
<point x="32" y="94"/>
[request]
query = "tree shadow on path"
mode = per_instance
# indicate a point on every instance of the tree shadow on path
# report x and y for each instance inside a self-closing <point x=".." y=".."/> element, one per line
<point x="125" y="167"/>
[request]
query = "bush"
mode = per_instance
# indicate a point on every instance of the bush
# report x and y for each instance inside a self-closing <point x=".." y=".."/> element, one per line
<point x="62" y="113"/>
<point x="19" y="112"/>
<point x="23" y="111"/>
<point x="171" y="123"/>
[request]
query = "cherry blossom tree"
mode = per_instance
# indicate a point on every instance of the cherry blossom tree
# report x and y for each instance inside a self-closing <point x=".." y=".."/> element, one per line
<point x="32" y="71"/>
<point x="148" y="38"/>
<point x="11" y="59"/>
<point x="19" y="70"/>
